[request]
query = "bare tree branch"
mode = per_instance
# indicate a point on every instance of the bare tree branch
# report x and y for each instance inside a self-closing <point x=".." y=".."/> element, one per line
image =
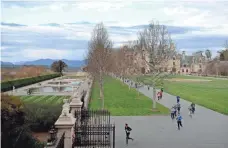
<point x="100" y="48"/>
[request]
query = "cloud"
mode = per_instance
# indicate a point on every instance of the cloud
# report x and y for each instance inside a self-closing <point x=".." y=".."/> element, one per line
<point x="65" y="27"/>
<point x="180" y="13"/>
<point x="40" y="40"/>
<point x="4" y="47"/>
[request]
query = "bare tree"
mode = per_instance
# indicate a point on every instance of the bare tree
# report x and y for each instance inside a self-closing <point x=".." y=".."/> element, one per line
<point x="100" y="47"/>
<point x="156" y="48"/>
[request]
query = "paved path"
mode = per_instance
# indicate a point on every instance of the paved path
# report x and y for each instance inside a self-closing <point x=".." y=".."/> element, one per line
<point x="207" y="129"/>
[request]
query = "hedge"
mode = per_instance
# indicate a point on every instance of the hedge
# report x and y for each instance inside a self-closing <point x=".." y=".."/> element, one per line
<point x="8" y="85"/>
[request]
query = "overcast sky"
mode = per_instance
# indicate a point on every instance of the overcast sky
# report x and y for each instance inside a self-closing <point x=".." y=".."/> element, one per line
<point x="61" y="30"/>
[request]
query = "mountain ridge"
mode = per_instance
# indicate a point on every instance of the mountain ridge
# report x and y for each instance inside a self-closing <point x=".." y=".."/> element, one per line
<point x="46" y="62"/>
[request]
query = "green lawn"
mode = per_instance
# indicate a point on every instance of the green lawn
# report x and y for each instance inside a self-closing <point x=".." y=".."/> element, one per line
<point x="48" y="100"/>
<point x="121" y="101"/>
<point x="213" y="94"/>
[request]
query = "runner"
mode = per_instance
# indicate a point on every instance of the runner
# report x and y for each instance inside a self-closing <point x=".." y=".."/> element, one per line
<point x="179" y="121"/>
<point x="193" y="108"/>
<point x="162" y="89"/>
<point x="175" y="107"/>
<point x="127" y="130"/>
<point x="190" y="110"/>
<point x="173" y="113"/>
<point x="178" y="107"/>
<point x="159" y="95"/>
<point x="178" y="99"/>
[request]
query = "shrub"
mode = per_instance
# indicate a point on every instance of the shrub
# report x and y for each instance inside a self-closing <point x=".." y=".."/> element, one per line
<point x="41" y="117"/>
<point x="8" y="85"/>
<point x="15" y="132"/>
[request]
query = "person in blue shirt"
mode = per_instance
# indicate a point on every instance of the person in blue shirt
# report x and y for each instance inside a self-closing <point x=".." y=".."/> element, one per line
<point x="178" y="99"/>
<point x="179" y="121"/>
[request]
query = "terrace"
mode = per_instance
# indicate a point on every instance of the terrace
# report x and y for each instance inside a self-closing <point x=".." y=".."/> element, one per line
<point x="45" y="99"/>
<point x="61" y="86"/>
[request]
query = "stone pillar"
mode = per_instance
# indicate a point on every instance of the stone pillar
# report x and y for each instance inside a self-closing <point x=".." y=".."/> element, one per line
<point x="75" y="105"/>
<point x="65" y="123"/>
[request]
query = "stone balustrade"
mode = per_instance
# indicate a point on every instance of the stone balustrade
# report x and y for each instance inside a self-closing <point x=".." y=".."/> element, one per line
<point x="66" y="121"/>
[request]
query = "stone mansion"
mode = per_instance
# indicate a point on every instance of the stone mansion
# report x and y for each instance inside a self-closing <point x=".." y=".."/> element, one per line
<point x="187" y="64"/>
<point x="180" y="63"/>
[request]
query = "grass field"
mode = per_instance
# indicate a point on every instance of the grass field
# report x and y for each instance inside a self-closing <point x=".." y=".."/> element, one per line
<point x="212" y="94"/>
<point x="121" y="101"/>
<point x="48" y="100"/>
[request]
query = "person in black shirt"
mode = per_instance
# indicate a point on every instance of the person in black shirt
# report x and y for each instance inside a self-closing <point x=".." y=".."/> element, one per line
<point x="127" y="130"/>
<point x="193" y="107"/>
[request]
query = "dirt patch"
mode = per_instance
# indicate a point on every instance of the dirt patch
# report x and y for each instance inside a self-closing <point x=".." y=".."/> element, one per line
<point x="188" y="80"/>
<point x="41" y="136"/>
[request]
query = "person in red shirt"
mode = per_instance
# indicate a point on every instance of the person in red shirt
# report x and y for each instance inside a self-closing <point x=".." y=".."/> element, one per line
<point x="159" y="94"/>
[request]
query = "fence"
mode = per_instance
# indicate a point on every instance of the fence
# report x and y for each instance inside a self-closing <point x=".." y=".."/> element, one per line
<point x="92" y="116"/>
<point x="93" y="129"/>
<point x="61" y="141"/>
<point x="94" y="136"/>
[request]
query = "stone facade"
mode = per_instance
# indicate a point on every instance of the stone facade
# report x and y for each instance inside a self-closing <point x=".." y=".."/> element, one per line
<point x="179" y="63"/>
<point x="192" y="64"/>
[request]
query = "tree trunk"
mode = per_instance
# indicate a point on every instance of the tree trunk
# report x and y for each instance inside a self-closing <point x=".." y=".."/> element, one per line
<point x="102" y="95"/>
<point x="101" y="91"/>
<point x="154" y="97"/>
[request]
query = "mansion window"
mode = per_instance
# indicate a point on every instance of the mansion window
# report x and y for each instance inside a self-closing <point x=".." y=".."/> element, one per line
<point x="184" y="65"/>
<point x="174" y="58"/>
<point x="182" y="70"/>
<point x="186" y="70"/>
<point x="200" y="66"/>
<point x="173" y="63"/>
<point x="200" y="61"/>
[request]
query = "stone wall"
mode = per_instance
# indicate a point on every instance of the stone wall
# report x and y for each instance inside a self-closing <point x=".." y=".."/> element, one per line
<point x="66" y="121"/>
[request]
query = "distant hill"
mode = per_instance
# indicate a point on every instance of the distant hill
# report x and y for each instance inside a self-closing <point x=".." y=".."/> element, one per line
<point x="46" y="62"/>
<point x="6" y="64"/>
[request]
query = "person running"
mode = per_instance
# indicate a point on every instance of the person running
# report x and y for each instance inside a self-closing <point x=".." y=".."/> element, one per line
<point x="178" y="107"/>
<point x="162" y="89"/>
<point x="128" y="130"/>
<point x="190" y="110"/>
<point x="193" y="108"/>
<point x="173" y="110"/>
<point x="179" y="121"/>
<point x="178" y="99"/>
<point x="159" y="95"/>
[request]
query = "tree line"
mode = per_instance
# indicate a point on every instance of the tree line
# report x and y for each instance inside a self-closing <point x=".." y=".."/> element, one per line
<point x="153" y="47"/>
